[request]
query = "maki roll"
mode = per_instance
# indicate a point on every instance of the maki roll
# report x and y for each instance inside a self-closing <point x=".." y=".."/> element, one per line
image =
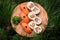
<point x="36" y="10"/>
<point x="31" y="15"/>
<point x="30" y="5"/>
<point x="24" y="9"/>
<point x="26" y="28"/>
<point x="37" y="20"/>
<point x="24" y="17"/>
<point x="38" y="29"/>
<point x="32" y="24"/>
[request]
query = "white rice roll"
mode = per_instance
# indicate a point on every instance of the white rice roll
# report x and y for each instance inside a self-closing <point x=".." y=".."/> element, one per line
<point x="31" y="15"/>
<point x="36" y="9"/>
<point x="38" y="29"/>
<point x="30" y="5"/>
<point x="38" y="20"/>
<point x="32" y="24"/>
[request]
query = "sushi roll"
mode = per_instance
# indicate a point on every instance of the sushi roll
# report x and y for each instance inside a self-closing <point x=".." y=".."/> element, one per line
<point x="30" y="5"/>
<point x="24" y="17"/>
<point x="38" y="29"/>
<point x="26" y="28"/>
<point x="32" y="24"/>
<point x="36" y="10"/>
<point x="37" y="20"/>
<point x="31" y="15"/>
<point x="24" y="9"/>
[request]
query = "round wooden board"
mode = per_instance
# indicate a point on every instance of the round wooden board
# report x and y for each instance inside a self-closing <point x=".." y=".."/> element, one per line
<point x="43" y="15"/>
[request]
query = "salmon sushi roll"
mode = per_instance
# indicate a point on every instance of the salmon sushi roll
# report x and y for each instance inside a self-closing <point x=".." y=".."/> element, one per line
<point x="36" y="10"/>
<point x="32" y="24"/>
<point x="26" y="20"/>
<point x="26" y="28"/>
<point x="31" y="15"/>
<point x="38" y="29"/>
<point x="30" y="5"/>
<point x="24" y="9"/>
<point x="24" y="17"/>
<point x="37" y="20"/>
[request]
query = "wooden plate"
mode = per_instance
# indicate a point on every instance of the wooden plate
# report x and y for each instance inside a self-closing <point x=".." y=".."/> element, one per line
<point x="43" y="15"/>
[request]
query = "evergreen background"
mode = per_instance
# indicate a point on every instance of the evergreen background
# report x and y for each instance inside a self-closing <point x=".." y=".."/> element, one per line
<point x="52" y="31"/>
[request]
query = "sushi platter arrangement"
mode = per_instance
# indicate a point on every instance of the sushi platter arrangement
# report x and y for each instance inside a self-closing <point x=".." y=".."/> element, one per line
<point x="28" y="19"/>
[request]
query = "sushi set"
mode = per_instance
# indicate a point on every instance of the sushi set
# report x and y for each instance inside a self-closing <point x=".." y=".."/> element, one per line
<point x="29" y="19"/>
